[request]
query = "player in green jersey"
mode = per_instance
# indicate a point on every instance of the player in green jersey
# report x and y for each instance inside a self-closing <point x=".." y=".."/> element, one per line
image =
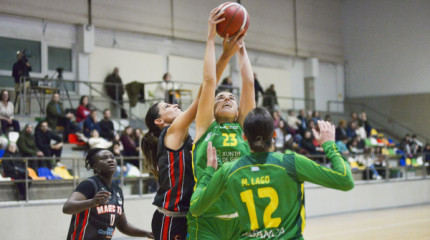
<point x="266" y="187"/>
<point x="219" y="120"/>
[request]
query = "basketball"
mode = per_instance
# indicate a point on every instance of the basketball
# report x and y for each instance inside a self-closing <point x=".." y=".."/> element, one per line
<point x="236" y="17"/>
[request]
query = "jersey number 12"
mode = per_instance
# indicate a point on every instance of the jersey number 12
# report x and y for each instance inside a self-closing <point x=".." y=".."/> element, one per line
<point x="266" y="192"/>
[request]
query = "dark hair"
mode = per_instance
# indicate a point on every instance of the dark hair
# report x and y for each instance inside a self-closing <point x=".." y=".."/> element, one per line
<point x="90" y="158"/>
<point x="165" y="75"/>
<point x="81" y="101"/>
<point x="258" y="128"/>
<point x="105" y="110"/>
<point x="150" y="139"/>
<point x="1" y="95"/>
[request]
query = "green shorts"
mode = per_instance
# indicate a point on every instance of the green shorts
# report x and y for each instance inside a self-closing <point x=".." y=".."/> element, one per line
<point x="212" y="228"/>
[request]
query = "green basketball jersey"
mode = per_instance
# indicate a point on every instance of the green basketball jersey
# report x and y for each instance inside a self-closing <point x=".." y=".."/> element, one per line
<point x="228" y="141"/>
<point x="267" y="190"/>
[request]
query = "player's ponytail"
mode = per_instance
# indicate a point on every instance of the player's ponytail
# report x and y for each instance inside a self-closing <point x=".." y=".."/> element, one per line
<point x="150" y="140"/>
<point x="258" y="128"/>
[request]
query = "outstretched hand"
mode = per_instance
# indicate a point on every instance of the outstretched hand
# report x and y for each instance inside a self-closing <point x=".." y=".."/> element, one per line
<point x="232" y="45"/>
<point x="214" y="19"/>
<point x="326" y="132"/>
<point x="211" y="155"/>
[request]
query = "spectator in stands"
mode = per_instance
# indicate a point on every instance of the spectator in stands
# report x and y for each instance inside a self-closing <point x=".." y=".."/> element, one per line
<point x="225" y="86"/>
<point x="354" y="117"/>
<point x="307" y="143"/>
<point x="166" y="89"/>
<point x="303" y="121"/>
<point x="328" y="118"/>
<point x="351" y="131"/>
<point x="355" y="146"/>
<point x="341" y="130"/>
<point x="270" y="100"/>
<point x="83" y="110"/>
<point x="257" y="89"/>
<point x="130" y="148"/>
<point x="21" y="68"/>
<point x="95" y="141"/>
<point x="27" y="146"/>
<point x="426" y="151"/>
<point x="107" y="130"/>
<point x="362" y="122"/>
<point x="6" y="113"/>
<point x="91" y="123"/>
<point x="341" y="144"/>
<point x="416" y="145"/>
<point x="116" y="149"/>
<point x="15" y="169"/>
<point x="137" y="137"/>
<point x="405" y="145"/>
<point x="115" y="89"/>
<point x="316" y="116"/>
<point x="293" y="122"/>
<point x="56" y="116"/>
<point x="44" y="138"/>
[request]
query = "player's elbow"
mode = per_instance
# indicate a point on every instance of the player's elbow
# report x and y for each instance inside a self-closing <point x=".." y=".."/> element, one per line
<point x="348" y="184"/>
<point x="66" y="209"/>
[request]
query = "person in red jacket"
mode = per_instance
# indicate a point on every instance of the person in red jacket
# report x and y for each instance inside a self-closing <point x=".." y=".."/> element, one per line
<point x="83" y="110"/>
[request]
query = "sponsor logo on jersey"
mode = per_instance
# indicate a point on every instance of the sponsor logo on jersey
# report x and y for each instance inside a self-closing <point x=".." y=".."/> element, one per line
<point x="208" y="137"/>
<point x="109" y="231"/>
<point x="265" y="233"/>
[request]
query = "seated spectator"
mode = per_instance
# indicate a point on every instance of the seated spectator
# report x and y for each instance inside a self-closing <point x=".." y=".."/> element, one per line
<point x="107" y="130"/>
<point x="130" y="148"/>
<point x="278" y="121"/>
<point x="56" y="116"/>
<point x="303" y="121"/>
<point x="137" y="136"/>
<point x="341" y="144"/>
<point x="426" y="151"/>
<point x="225" y="86"/>
<point x="362" y="122"/>
<point x="91" y="123"/>
<point x="316" y="116"/>
<point x="416" y="145"/>
<point x="6" y="113"/>
<point x="15" y="169"/>
<point x="354" y="147"/>
<point x="351" y="131"/>
<point x="405" y="145"/>
<point x="116" y="150"/>
<point x="307" y="143"/>
<point x="95" y="141"/>
<point x="83" y="110"/>
<point x="341" y="130"/>
<point x="293" y="122"/>
<point x="44" y="138"/>
<point x="27" y="146"/>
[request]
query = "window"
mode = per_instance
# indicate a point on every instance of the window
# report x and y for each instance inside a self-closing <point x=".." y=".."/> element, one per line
<point x="60" y="57"/>
<point x="9" y="47"/>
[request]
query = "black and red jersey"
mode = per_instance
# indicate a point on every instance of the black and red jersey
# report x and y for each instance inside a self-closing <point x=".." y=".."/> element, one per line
<point x="97" y="222"/>
<point x="175" y="176"/>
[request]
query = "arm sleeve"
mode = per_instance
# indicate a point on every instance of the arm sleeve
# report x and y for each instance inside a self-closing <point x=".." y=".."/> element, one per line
<point x="87" y="189"/>
<point x="53" y="110"/>
<point x="56" y="137"/>
<point x="208" y="189"/>
<point x="338" y="177"/>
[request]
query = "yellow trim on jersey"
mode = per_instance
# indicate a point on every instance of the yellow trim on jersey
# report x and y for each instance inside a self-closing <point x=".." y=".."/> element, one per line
<point x="302" y="210"/>
<point x="192" y="165"/>
<point x="253" y="165"/>
<point x="343" y="162"/>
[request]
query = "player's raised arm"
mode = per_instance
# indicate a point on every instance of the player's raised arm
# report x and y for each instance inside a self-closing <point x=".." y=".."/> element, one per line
<point x="339" y="176"/>
<point x="247" y="96"/>
<point x="209" y="188"/>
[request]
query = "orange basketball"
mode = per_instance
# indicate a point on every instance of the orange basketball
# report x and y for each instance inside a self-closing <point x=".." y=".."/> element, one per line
<point x="236" y="17"/>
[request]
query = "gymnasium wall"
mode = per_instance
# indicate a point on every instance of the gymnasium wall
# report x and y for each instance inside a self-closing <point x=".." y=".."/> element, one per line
<point x="387" y="46"/>
<point x="319" y="201"/>
<point x="318" y="24"/>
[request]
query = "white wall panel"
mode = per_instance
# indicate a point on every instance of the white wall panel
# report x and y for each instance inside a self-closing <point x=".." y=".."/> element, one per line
<point x="387" y="45"/>
<point x="319" y="29"/>
<point x="280" y="78"/>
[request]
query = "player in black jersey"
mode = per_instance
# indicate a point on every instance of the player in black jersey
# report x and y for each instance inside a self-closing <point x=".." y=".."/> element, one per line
<point x="97" y="204"/>
<point x="167" y="149"/>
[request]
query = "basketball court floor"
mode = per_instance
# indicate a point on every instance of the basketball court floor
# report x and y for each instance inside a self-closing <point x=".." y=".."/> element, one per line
<point x="408" y="223"/>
